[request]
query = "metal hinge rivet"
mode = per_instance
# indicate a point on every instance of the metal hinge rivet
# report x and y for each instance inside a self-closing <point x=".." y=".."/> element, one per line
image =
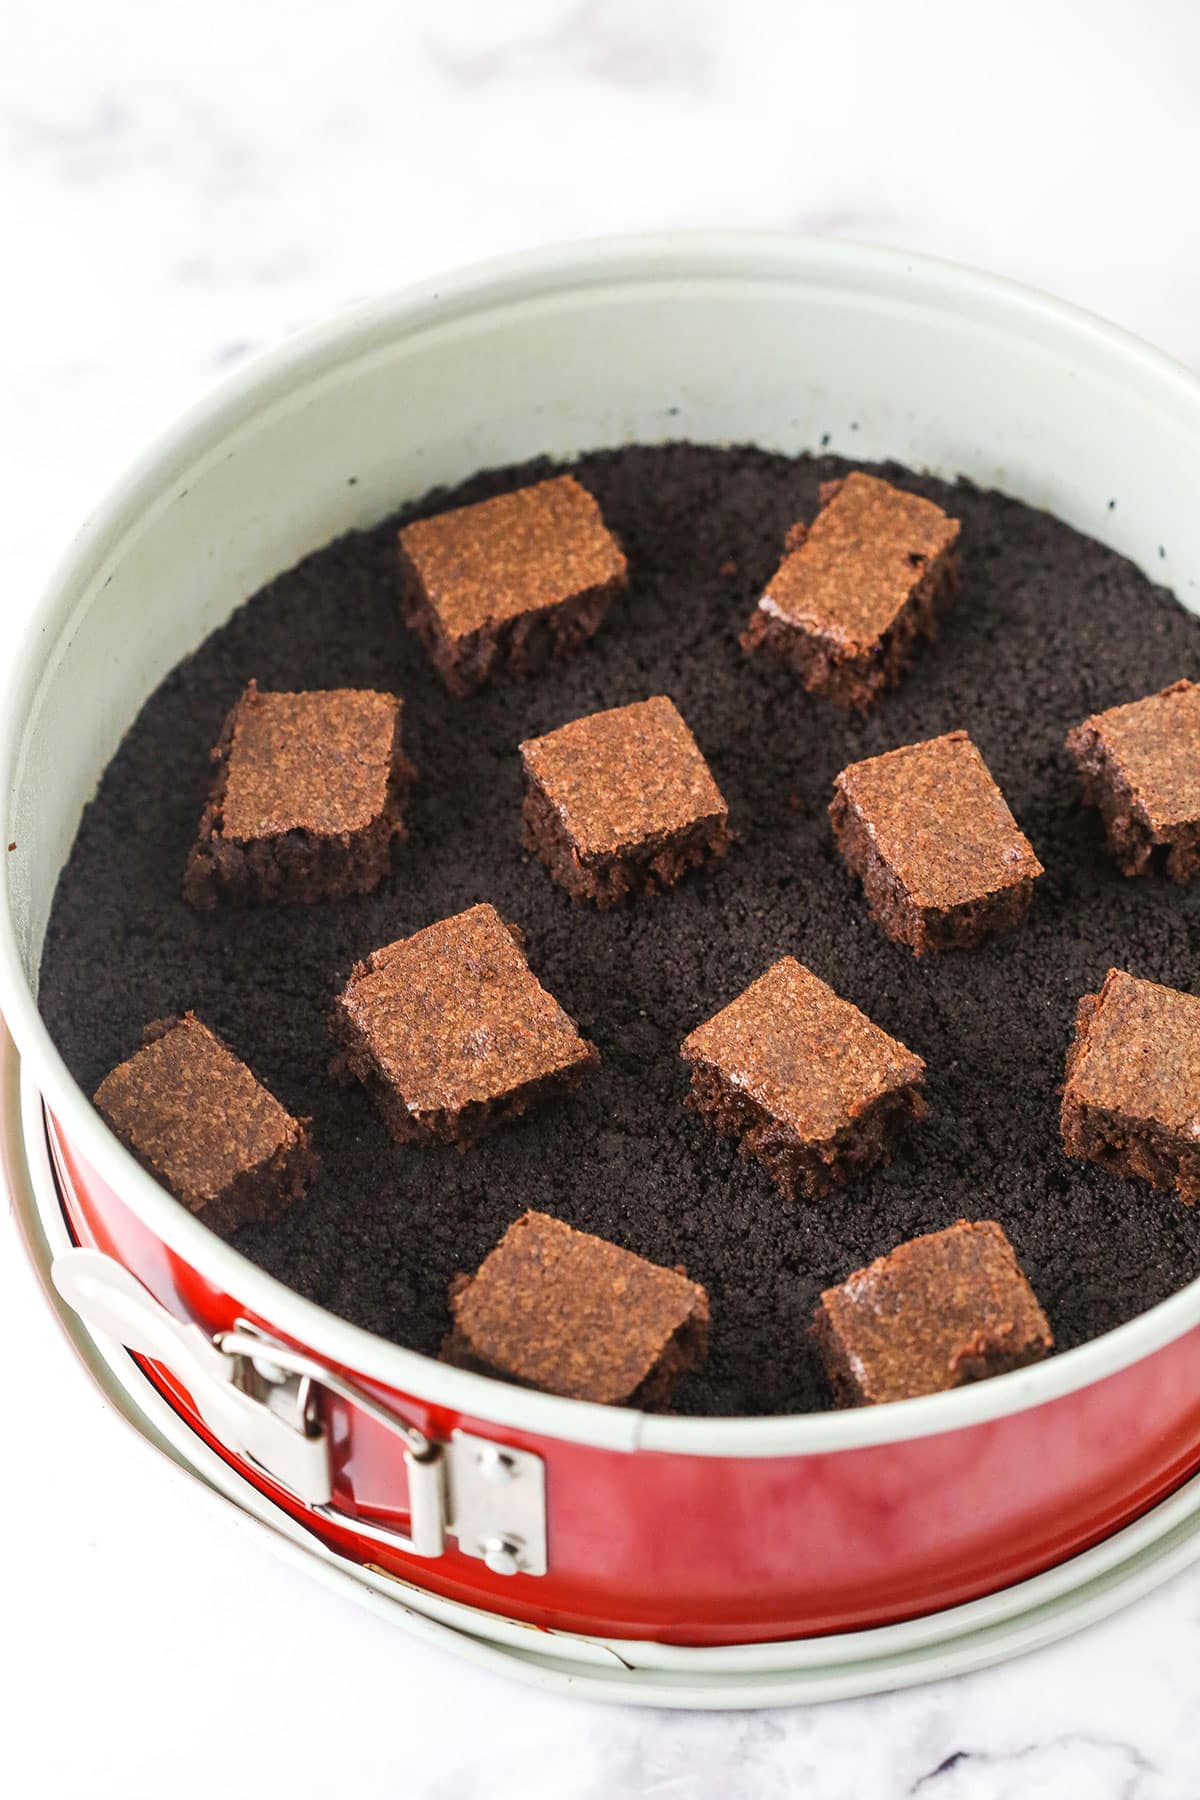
<point x="496" y="1467"/>
<point x="501" y="1555"/>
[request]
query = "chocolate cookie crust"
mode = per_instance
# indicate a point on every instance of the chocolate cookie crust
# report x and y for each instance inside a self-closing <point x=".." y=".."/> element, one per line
<point x="1140" y="767"/>
<point x="307" y="800"/>
<point x="621" y="803"/>
<point x="858" y="589"/>
<point x="571" y="1314"/>
<point x="1050" y="627"/>
<point x="946" y="1309"/>
<point x="197" y="1118"/>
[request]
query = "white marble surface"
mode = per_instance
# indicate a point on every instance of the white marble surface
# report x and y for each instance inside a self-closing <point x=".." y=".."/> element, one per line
<point x="181" y="186"/>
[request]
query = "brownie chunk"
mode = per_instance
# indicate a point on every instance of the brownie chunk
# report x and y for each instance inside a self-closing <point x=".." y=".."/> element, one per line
<point x="1132" y="1097"/>
<point x="511" y="583"/>
<point x="621" y="803"/>
<point x="307" y="801"/>
<point x="858" y="589"/>
<point x="935" y="1313"/>
<point x="941" y="859"/>
<point x="572" y="1314"/>
<point x="453" y="1033"/>
<point x="814" y="1089"/>
<point x="1140" y="766"/>
<point x="196" y="1118"/>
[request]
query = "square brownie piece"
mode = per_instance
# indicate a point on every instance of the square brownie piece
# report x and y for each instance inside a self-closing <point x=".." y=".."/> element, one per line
<point x="572" y="1314"/>
<point x="621" y="803"/>
<point x="511" y="583"/>
<point x="307" y="802"/>
<point x="196" y="1117"/>
<point x="453" y="1033"/>
<point x="935" y="1313"/>
<point x="1140" y="767"/>
<point x="858" y="589"/>
<point x="1132" y="1096"/>
<point x="814" y="1089"/>
<point x="941" y="859"/>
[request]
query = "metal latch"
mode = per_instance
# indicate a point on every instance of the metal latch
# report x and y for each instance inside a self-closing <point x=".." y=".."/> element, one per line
<point x="262" y="1400"/>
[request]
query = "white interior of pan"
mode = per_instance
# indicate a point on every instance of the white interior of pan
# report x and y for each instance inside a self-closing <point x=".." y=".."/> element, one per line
<point x="790" y="343"/>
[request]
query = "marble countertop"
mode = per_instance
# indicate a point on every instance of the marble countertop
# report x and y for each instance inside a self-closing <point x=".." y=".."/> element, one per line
<point x="181" y="187"/>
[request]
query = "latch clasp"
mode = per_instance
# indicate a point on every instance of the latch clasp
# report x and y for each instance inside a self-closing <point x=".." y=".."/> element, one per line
<point x="262" y="1400"/>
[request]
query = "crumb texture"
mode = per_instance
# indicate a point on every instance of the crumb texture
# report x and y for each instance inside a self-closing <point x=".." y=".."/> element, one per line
<point x="625" y="778"/>
<point x="621" y="802"/>
<point x="809" y="1057"/>
<point x="307" y="800"/>
<point x="938" y="821"/>
<point x="197" y="1118"/>
<point x="568" y="1313"/>
<point x="451" y="1029"/>
<point x="1131" y="1101"/>
<point x="516" y="553"/>
<point x="942" y="1310"/>
<point x="316" y="762"/>
<point x="859" y="561"/>
<point x="507" y="584"/>
<point x="1139" y="765"/>
<point x="1049" y="629"/>
<point x="858" y="589"/>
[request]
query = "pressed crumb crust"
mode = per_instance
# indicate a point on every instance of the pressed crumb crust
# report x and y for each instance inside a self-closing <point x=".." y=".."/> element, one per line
<point x="1049" y="627"/>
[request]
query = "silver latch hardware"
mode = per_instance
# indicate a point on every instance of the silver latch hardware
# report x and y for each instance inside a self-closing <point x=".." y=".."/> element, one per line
<point x="262" y="1399"/>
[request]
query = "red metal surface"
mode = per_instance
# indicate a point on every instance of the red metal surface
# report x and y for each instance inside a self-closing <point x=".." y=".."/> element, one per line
<point x="723" y="1550"/>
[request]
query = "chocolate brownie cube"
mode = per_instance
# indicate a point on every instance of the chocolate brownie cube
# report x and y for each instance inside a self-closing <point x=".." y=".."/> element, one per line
<point x="307" y="802"/>
<point x="858" y="589"/>
<point x="1140" y="767"/>
<point x="452" y="1032"/>
<point x="1132" y="1096"/>
<point x="935" y="1313"/>
<point x="571" y="1314"/>
<point x="621" y="802"/>
<point x="510" y="583"/>
<point x="814" y="1089"/>
<point x="926" y="830"/>
<point x="196" y="1117"/>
